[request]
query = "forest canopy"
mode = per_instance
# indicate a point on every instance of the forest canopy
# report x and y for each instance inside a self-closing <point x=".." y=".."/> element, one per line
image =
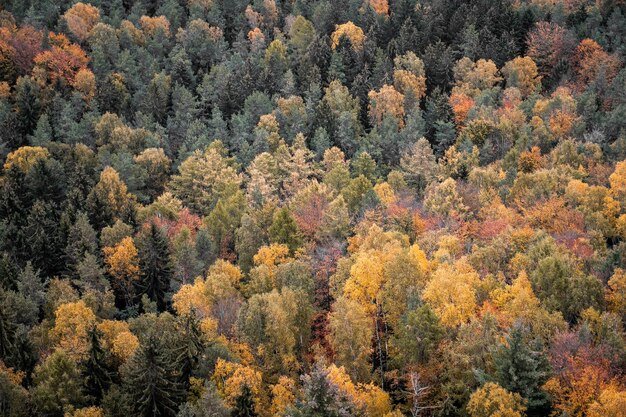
<point x="299" y="208"/>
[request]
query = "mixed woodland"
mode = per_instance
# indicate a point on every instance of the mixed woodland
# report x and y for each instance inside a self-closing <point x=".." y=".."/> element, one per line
<point x="300" y="208"/>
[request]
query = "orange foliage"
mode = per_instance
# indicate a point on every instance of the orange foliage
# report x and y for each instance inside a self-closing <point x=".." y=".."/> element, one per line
<point x="380" y="6"/>
<point x="461" y="105"/>
<point x="63" y="60"/>
<point x="150" y="25"/>
<point x="81" y="18"/>
<point x="582" y="373"/>
<point x="352" y="32"/>
<point x="532" y="160"/>
<point x="589" y="60"/>
<point x="18" y="48"/>
<point x="554" y="216"/>
<point x="256" y="37"/>
<point x="561" y="123"/>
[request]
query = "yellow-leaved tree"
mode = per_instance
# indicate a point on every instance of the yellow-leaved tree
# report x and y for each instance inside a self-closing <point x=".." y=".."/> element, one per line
<point x="72" y="322"/>
<point x="352" y="32"/>
<point x="123" y="265"/>
<point x="451" y="293"/>
<point x="491" y="400"/>
<point x="229" y="379"/>
<point x="386" y="102"/>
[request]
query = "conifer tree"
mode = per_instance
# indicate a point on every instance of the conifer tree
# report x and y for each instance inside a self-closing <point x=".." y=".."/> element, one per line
<point x="95" y="371"/>
<point x="523" y="369"/>
<point x="321" y="397"/>
<point x="244" y="404"/>
<point x="190" y="347"/>
<point x="285" y="230"/>
<point x="155" y="265"/>
<point x="152" y="381"/>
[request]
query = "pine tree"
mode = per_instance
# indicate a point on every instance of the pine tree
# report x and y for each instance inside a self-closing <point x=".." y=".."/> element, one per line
<point x="155" y="265"/>
<point x="82" y="240"/>
<point x="7" y="327"/>
<point x="523" y="369"/>
<point x="152" y="381"/>
<point x="321" y="397"/>
<point x="285" y="230"/>
<point x="244" y="404"/>
<point x="96" y="373"/>
<point x="190" y="347"/>
<point x="27" y="104"/>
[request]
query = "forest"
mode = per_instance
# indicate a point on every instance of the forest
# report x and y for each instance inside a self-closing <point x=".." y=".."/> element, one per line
<point x="312" y="208"/>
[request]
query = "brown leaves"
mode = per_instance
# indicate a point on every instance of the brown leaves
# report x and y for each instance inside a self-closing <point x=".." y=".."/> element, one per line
<point x="81" y="18"/>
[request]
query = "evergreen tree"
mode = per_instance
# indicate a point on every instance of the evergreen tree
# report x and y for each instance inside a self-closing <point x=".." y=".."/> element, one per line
<point x="244" y="404"/>
<point x="152" y="381"/>
<point x="285" y="230"/>
<point x="522" y="368"/>
<point x="321" y="397"/>
<point x="95" y="371"/>
<point x="155" y="265"/>
<point x="28" y="106"/>
<point x="190" y="346"/>
<point x="82" y="240"/>
<point x="7" y="327"/>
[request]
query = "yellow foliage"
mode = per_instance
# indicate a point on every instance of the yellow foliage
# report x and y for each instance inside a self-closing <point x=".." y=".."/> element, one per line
<point x="228" y="270"/>
<point x="617" y="180"/>
<point x="612" y="403"/>
<point x="491" y="400"/>
<point x="451" y="293"/>
<point x="366" y="280"/>
<point x="86" y="412"/>
<point x="25" y="158"/>
<point x="406" y="82"/>
<point x="118" y="339"/>
<point x="368" y="398"/>
<point x="518" y="302"/>
<point x="272" y="256"/>
<point x="420" y="258"/>
<point x="150" y="25"/>
<point x="473" y="77"/>
<point x="193" y="297"/>
<point x="449" y="248"/>
<point x="72" y="322"/>
<point x="229" y="379"/>
<point x="385" y="193"/>
<point x="386" y="102"/>
<point x="352" y="32"/>
<point x="616" y="293"/>
<point x="522" y="72"/>
<point x="85" y="83"/>
<point x="283" y="395"/>
<point x="123" y="265"/>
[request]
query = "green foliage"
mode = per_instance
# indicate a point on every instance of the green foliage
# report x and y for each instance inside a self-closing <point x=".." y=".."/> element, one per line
<point x="151" y="379"/>
<point x="285" y="230"/>
<point x="155" y="265"/>
<point x="58" y="385"/>
<point x="430" y="194"/>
